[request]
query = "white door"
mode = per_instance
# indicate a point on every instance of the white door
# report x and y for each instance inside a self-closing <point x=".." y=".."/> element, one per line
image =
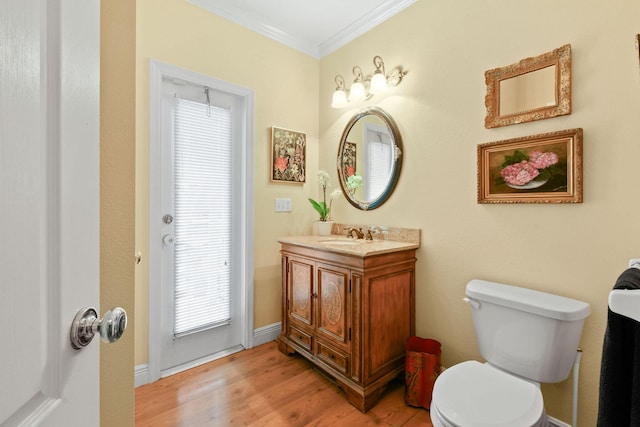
<point x="201" y="222"/>
<point x="49" y="209"/>
<point x="378" y="165"/>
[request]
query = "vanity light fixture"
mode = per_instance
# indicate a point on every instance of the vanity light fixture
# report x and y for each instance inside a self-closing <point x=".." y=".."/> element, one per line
<point x="357" y="92"/>
<point x="379" y="80"/>
<point x="340" y="95"/>
<point x="376" y="83"/>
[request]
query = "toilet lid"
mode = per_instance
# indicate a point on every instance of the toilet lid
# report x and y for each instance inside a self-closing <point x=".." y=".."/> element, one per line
<point x="474" y="394"/>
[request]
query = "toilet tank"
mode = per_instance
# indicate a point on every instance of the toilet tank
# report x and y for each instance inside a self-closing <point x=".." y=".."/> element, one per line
<point x="529" y="333"/>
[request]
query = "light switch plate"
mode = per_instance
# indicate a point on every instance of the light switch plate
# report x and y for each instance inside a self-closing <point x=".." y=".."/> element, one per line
<point x="283" y="205"/>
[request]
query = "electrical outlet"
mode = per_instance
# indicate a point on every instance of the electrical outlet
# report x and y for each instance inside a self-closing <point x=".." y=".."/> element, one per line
<point x="283" y="205"/>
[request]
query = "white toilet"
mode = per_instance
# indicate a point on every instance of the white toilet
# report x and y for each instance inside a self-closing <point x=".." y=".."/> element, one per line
<point x="527" y="337"/>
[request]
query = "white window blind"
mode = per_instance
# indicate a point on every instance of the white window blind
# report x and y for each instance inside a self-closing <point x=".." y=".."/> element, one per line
<point x="202" y="205"/>
<point x="378" y="164"/>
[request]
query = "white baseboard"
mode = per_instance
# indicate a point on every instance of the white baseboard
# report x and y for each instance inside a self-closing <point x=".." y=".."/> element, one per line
<point x="557" y="423"/>
<point x="141" y="375"/>
<point x="261" y="336"/>
<point x="266" y="333"/>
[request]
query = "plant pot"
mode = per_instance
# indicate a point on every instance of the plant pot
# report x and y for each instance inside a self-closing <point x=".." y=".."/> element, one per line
<point x="324" y="227"/>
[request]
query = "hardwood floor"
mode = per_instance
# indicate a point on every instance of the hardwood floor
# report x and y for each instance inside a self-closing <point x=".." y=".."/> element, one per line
<point x="263" y="387"/>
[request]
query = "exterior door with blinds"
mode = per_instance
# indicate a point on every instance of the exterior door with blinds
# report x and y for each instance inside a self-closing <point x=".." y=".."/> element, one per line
<point x="379" y="157"/>
<point x="200" y="250"/>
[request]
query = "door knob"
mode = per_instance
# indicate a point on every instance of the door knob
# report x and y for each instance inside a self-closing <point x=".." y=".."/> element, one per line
<point x="86" y="324"/>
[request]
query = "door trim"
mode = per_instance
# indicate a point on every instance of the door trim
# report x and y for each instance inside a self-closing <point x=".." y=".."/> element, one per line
<point x="158" y="71"/>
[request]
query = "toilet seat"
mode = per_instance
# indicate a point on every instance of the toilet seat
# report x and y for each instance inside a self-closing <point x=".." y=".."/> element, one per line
<point x="474" y="394"/>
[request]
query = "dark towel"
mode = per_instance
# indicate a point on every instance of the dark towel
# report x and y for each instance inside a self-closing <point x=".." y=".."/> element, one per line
<point x="619" y="404"/>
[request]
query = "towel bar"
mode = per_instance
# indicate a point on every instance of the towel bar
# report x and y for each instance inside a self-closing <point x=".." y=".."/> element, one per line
<point x="626" y="301"/>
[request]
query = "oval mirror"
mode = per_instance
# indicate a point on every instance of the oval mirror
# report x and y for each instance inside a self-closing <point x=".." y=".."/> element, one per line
<point x="369" y="158"/>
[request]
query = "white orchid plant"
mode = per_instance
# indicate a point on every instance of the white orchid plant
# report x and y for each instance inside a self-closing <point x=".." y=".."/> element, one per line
<point x="323" y="208"/>
<point x="354" y="182"/>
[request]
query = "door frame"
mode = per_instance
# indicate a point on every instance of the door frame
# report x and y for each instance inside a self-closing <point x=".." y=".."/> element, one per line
<point x="158" y="71"/>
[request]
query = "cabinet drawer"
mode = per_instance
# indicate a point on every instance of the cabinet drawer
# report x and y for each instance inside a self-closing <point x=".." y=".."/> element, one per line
<point x="301" y="338"/>
<point x="335" y="359"/>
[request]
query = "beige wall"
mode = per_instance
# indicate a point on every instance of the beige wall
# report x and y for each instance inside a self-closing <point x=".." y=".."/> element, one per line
<point x="117" y="204"/>
<point x="285" y="84"/>
<point x="573" y="250"/>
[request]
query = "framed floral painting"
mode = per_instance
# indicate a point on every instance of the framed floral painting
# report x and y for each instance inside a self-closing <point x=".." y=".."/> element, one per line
<point x="544" y="168"/>
<point x="288" y="151"/>
<point x="349" y="159"/>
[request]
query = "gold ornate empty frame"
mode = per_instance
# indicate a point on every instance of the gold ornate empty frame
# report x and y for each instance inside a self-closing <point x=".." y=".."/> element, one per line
<point x="533" y="89"/>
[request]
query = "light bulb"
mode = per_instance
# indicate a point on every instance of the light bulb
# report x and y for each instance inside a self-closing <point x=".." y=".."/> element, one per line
<point x="339" y="99"/>
<point x="378" y="83"/>
<point x="357" y="92"/>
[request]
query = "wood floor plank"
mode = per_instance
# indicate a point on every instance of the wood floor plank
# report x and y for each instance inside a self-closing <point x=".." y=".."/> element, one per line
<point x="391" y="407"/>
<point x="261" y="387"/>
<point x="302" y="408"/>
<point x="420" y="418"/>
<point x="258" y="403"/>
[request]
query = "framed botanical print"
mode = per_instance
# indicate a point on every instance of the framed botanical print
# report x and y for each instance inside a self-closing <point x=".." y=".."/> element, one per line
<point x="349" y="159"/>
<point x="544" y="168"/>
<point x="288" y="151"/>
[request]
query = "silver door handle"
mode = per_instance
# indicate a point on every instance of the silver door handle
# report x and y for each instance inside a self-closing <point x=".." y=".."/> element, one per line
<point x="86" y="324"/>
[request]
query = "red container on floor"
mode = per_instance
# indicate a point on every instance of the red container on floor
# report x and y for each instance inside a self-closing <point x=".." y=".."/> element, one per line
<point x="422" y="366"/>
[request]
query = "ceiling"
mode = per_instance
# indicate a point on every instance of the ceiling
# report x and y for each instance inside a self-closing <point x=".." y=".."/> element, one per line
<point x="316" y="28"/>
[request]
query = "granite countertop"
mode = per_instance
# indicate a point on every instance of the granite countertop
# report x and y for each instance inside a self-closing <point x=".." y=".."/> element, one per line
<point x="360" y="247"/>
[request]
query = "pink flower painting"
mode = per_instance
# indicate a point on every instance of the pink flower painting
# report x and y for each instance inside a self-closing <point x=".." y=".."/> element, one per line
<point x="520" y="173"/>
<point x="545" y="168"/>
<point x="541" y="160"/>
<point x="520" y="169"/>
<point x="282" y="163"/>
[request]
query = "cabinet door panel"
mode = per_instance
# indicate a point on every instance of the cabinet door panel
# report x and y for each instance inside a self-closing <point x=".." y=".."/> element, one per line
<point x="387" y="330"/>
<point x="333" y="302"/>
<point x="301" y="283"/>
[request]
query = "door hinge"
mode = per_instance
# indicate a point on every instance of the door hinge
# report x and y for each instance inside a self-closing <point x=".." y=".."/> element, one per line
<point x="349" y="285"/>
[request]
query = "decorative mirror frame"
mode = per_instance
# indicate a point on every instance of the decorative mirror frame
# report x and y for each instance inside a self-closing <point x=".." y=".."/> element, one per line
<point x="395" y="173"/>
<point x="560" y="57"/>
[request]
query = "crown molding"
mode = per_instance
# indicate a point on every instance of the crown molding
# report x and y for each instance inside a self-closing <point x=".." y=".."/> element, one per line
<point x="253" y="23"/>
<point x="357" y="28"/>
<point x="365" y="23"/>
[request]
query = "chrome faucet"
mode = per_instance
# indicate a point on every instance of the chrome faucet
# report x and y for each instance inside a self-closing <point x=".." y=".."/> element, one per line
<point x="359" y="233"/>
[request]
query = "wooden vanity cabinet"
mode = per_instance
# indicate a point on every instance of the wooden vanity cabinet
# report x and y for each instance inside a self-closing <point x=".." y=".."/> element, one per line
<point x="349" y="315"/>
